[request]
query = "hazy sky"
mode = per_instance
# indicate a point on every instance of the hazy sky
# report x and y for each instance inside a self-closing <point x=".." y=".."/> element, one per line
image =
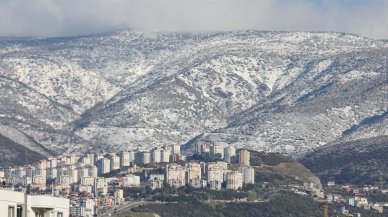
<point x="73" y="17"/>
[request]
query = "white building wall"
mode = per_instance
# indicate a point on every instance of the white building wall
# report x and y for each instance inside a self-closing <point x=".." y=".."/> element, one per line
<point x="31" y="204"/>
<point x="132" y="181"/>
<point x="248" y="175"/>
<point x="156" y="155"/>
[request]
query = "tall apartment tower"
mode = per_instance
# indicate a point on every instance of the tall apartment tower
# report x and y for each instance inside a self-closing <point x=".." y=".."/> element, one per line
<point x="156" y="155"/>
<point x="103" y="166"/>
<point x="216" y="151"/>
<point x="248" y="175"/>
<point x="165" y="156"/>
<point x="229" y="153"/>
<point x="114" y="162"/>
<point x="175" y="149"/>
<point x="126" y="159"/>
<point x="234" y="180"/>
<point x="244" y="157"/>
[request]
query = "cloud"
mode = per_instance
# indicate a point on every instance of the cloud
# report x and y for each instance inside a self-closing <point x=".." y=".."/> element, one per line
<point x="73" y="17"/>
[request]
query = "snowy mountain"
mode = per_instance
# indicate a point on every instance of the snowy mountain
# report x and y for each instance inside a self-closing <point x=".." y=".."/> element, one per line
<point x="288" y="92"/>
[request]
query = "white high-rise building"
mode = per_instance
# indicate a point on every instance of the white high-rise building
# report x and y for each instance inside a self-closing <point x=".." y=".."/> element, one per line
<point x="156" y="155"/>
<point x="73" y="175"/>
<point x="175" y="149"/>
<point x="215" y="173"/>
<point x="216" y="151"/>
<point x="53" y="162"/>
<point x="146" y="157"/>
<point x="100" y="186"/>
<point x="248" y="175"/>
<point x="125" y="159"/>
<point x="165" y="156"/>
<point x="103" y="166"/>
<point x="229" y="153"/>
<point x="234" y="180"/>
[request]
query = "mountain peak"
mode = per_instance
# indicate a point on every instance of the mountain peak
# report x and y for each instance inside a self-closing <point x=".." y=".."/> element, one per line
<point x="291" y="91"/>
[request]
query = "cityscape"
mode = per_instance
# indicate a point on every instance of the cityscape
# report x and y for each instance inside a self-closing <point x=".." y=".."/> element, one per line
<point x="109" y="183"/>
<point x="193" y="108"/>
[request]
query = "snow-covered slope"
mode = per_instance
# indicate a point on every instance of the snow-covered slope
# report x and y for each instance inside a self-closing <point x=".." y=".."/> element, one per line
<point x="287" y="91"/>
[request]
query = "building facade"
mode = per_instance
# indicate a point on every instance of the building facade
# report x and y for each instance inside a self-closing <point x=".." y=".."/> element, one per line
<point x="18" y="204"/>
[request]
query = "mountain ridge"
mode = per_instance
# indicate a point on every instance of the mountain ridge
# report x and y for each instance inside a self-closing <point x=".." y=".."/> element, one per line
<point x="127" y="89"/>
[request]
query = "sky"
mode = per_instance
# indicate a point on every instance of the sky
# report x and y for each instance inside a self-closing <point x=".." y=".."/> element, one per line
<point x="52" y="18"/>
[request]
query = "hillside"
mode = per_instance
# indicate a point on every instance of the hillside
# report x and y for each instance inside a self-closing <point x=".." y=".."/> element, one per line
<point x="288" y="92"/>
<point x="283" y="204"/>
<point x="358" y="161"/>
<point x="12" y="153"/>
<point x="280" y="169"/>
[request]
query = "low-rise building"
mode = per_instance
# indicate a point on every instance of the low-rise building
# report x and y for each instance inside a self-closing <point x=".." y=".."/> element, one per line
<point x="131" y="181"/>
<point x="198" y="183"/>
<point x="215" y="185"/>
<point x="155" y="183"/>
<point x="17" y="204"/>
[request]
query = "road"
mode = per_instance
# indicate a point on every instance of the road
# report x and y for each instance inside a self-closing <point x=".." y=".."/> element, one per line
<point x="126" y="207"/>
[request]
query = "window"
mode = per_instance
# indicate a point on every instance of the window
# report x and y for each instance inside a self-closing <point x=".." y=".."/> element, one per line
<point x="11" y="211"/>
<point x="59" y="214"/>
<point x="19" y="211"/>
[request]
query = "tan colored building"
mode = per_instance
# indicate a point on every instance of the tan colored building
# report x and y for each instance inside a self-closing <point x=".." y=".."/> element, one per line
<point x="244" y="157"/>
<point x="114" y="162"/>
<point x="193" y="171"/>
<point x="175" y="175"/>
<point x="126" y="158"/>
